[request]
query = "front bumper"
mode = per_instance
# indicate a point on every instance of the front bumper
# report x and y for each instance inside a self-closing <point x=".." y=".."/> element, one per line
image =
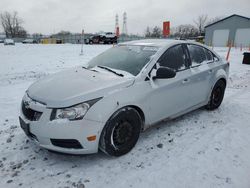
<point x="49" y="133"/>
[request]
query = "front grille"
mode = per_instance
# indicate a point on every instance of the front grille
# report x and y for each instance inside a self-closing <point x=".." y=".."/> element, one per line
<point x="66" y="143"/>
<point x="33" y="137"/>
<point x="30" y="114"/>
<point x="26" y="129"/>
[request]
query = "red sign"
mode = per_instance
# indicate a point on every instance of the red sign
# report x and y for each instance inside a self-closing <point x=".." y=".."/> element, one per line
<point x="166" y="29"/>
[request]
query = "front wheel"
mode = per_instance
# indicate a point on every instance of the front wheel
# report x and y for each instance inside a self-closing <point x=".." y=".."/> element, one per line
<point x="217" y="95"/>
<point x="121" y="132"/>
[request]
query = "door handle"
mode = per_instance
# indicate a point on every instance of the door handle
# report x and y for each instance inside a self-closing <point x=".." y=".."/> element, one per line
<point x="185" y="80"/>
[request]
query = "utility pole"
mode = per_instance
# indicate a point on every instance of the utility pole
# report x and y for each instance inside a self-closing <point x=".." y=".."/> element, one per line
<point x="117" y="32"/>
<point x="82" y="41"/>
<point x="124" y="26"/>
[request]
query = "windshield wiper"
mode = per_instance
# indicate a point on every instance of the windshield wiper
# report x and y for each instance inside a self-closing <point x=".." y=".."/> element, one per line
<point x="110" y="70"/>
<point x="89" y="69"/>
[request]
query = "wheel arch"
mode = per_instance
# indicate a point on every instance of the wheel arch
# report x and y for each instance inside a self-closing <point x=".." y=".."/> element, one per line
<point x="212" y="106"/>
<point x="222" y="79"/>
<point x="219" y="77"/>
<point x="141" y="113"/>
<point x="135" y="107"/>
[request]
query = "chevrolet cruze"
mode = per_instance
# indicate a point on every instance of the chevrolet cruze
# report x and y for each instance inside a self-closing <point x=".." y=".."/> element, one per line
<point x="106" y="103"/>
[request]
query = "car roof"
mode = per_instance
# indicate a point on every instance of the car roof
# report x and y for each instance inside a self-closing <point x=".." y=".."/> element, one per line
<point x="158" y="42"/>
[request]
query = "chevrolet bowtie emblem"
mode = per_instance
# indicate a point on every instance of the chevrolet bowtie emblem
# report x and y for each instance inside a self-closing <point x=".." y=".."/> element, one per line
<point x="26" y="104"/>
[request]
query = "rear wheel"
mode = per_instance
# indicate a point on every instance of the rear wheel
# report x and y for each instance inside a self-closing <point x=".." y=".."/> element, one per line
<point x="217" y="95"/>
<point x="121" y="132"/>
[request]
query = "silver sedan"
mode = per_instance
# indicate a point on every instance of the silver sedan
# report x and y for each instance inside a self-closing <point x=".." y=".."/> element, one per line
<point x="106" y="103"/>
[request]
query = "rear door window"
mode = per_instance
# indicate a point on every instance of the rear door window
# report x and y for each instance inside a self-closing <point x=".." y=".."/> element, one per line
<point x="197" y="55"/>
<point x="209" y="55"/>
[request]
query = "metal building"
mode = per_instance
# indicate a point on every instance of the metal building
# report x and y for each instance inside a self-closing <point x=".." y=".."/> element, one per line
<point x="234" y="29"/>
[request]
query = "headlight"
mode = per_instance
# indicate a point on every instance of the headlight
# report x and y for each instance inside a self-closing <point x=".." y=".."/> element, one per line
<point x="76" y="112"/>
<point x="72" y="113"/>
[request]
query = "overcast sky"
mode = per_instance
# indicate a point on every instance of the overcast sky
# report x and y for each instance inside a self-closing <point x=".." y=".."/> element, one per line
<point x="50" y="16"/>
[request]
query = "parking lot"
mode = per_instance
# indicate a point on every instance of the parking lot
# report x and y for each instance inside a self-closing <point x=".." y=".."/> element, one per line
<point x="200" y="149"/>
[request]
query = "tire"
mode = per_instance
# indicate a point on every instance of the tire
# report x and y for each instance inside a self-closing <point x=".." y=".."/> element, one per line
<point x="217" y="95"/>
<point x="121" y="132"/>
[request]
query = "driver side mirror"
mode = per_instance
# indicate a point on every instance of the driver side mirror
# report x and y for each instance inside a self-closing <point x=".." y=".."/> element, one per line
<point x="164" y="73"/>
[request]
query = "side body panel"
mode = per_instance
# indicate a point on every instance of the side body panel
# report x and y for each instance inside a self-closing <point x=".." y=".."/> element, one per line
<point x="180" y="100"/>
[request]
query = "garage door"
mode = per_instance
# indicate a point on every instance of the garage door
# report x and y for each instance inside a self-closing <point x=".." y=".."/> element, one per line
<point x="242" y="37"/>
<point x="220" y="37"/>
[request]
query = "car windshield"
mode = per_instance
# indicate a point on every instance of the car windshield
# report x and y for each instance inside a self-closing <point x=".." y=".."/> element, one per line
<point x="126" y="58"/>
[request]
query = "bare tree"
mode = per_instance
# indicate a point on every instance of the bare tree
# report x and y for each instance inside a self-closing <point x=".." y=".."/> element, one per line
<point x="64" y="33"/>
<point x="157" y="32"/>
<point x="11" y="24"/>
<point x="200" y="23"/>
<point x="184" y="31"/>
<point x="215" y="19"/>
<point x="148" y="32"/>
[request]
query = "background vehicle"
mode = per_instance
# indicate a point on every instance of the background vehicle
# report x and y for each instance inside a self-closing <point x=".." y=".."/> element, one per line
<point x="1" y="41"/>
<point x="88" y="40"/>
<point x="9" y="42"/>
<point x="105" y="38"/>
<point x="29" y="41"/>
<point x="109" y="38"/>
<point x="152" y="80"/>
<point x="96" y="39"/>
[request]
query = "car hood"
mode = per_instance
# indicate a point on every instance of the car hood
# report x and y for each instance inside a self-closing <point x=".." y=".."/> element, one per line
<point x="76" y="85"/>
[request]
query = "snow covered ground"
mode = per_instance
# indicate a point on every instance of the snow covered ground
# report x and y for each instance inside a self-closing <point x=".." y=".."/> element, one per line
<point x="200" y="149"/>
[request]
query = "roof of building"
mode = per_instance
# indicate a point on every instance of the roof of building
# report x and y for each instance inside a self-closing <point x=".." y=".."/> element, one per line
<point x="227" y="18"/>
